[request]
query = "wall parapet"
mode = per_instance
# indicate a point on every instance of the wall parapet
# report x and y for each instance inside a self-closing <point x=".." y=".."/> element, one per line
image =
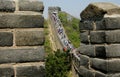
<point x="99" y="31"/>
<point x="21" y="39"/>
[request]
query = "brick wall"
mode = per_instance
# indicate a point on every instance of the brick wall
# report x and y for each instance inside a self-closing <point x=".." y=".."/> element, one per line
<point x="99" y="52"/>
<point x="21" y="38"/>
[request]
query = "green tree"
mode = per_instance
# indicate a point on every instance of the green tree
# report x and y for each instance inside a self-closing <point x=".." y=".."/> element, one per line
<point x="58" y="64"/>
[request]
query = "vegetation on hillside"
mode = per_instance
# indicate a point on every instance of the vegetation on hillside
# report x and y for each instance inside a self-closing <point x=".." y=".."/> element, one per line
<point x="71" y="26"/>
<point x="58" y="64"/>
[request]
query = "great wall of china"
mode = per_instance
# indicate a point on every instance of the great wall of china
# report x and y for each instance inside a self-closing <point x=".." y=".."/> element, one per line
<point x="22" y="40"/>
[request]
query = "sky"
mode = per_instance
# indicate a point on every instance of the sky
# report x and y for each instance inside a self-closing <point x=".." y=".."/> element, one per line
<point x="73" y="7"/>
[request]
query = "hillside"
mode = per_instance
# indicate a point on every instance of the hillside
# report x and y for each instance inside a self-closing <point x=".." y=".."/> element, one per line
<point x="71" y="26"/>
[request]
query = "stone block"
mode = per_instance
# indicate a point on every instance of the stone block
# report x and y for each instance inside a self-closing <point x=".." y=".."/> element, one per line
<point x="84" y="72"/>
<point x="31" y="5"/>
<point x="29" y="38"/>
<point x="88" y="50"/>
<point x="108" y="51"/>
<point x="100" y="74"/>
<point x="113" y="66"/>
<point x="6" y="39"/>
<point x="7" y="5"/>
<point x="114" y="75"/>
<point x="21" y="20"/>
<point x="21" y="54"/>
<point x="6" y="70"/>
<point x="96" y="11"/>
<point x="84" y="61"/>
<point x="30" y="70"/>
<point x="100" y="51"/>
<point x="106" y="66"/>
<point x="84" y="36"/>
<point x="113" y="51"/>
<point x="113" y="36"/>
<point x="100" y="25"/>
<point x="112" y="22"/>
<point x="97" y="37"/>
<point x="99" y="64"/>
<point x="88" y="25"/>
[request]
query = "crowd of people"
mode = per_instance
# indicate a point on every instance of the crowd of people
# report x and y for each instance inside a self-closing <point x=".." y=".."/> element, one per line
<point x="61" y="33"/>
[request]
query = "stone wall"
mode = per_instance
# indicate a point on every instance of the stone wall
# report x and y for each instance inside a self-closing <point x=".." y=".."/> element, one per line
<point x="21" y="38"/>
<point x="99" y="52"/>
<point x="58" y="43"/>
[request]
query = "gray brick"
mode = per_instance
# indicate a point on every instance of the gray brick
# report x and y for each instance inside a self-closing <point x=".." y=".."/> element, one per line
<point x="23" y="54"/>
<point x="30" y="70"/>
<point x="86" y="25"/>
<point x="21" y="20"/>
<point x="96" y="11"/>
<point x="100" y="74"/>
<point x="100" y="25"/>
<point x="99" y="64"/>
<point x="7" y="5"/>
<point x="113" y="36"/>
<point x="108" y="51"/>
<point x="100" y="51"/>
<point x="6" y="70"/>
<point x="87" y="50"/>
<point x="31" y="5"/>
<point x="97" y="37"/>
<point x="84" y="61"/>
<point x="84" y="36"/>
<point x="113" y="51"/>
<point x="112" y="22"/>
<point x="29" y="38"/>
<point x="6" y="39"/>
<point x="106" y="66"/>
<point x="113" y="65"/>
<point x="114" y="75"/>
<point x="84" y="72"/>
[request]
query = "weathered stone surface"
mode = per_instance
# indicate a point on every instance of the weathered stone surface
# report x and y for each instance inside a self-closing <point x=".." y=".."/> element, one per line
<point x="113" y="51"/>
<point x="7" y="5"/>
<point x="23" y="54"/>
<point x="31" y="5"/>
<point x="29" y="38"/>
<point x="114" y="75"/>
<point x="30" y="70"/>
<point x="84" y="36"/>
<point x="100" y="74"/>
<point x="88" y="25"/>
<point x="84" y="61"/>
<point x="108" y="51"/>
<point x="113" y="36"/>
<point x="6" y="70"/>
<point x="100" y="25"/>
<point x="85" y="72"/>
<point x="100" y="51"/>
<point x="87" y="50"/>
<point x="113" y="65"/>
<point x="6" y="39"/>
<point x="99" y="64"/>
<point x="21" y="20"/>
<point x="97" y="37"/>
<point x="106" y="66"/>
<point x="112" y="22"/>
<point x="96" y="11"/>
